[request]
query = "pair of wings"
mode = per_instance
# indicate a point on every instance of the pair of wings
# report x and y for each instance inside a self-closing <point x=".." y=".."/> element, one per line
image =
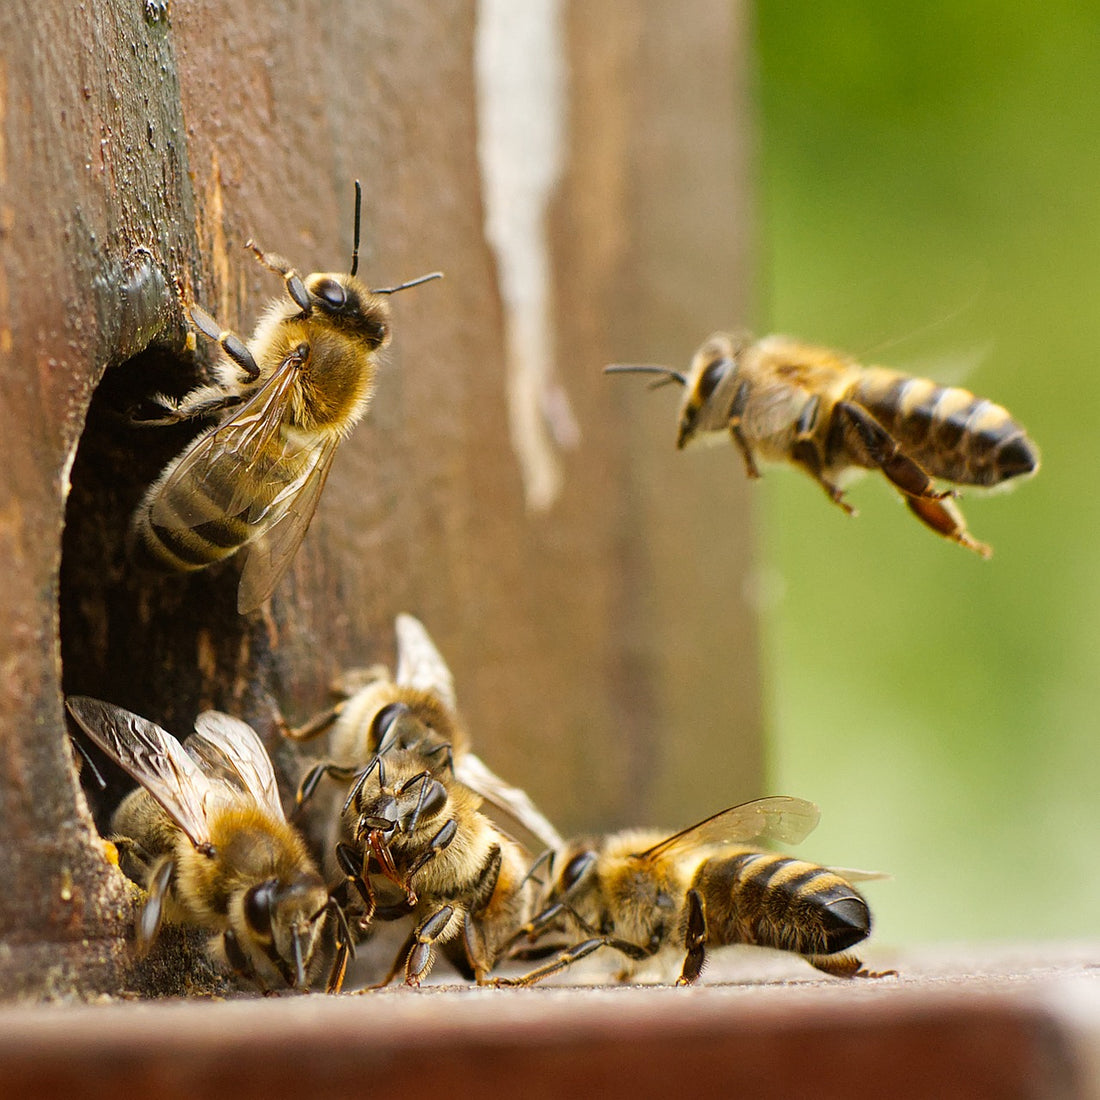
<point x="235" y="453"/>
<point x="222" y="763"/>
<point x="420" y="665"/>
<point x="780" y="817"/>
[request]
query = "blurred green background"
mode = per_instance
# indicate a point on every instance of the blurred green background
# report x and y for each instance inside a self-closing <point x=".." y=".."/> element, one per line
<point x="930" y="198"/>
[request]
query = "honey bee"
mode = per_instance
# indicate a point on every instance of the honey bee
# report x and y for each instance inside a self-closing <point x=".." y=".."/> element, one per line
<point x="465" y="883"/>
<point x="280" y="404"/>
<point x="643" y="894"/>
<point x="784" y="401"/>
<point x="206" y="835"/>
<point x="423" y="689"/>
<point x="413" y="815"/>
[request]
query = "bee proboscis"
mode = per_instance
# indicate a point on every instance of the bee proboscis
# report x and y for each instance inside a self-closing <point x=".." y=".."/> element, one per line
<point x="206" y="835"/>
<point x="780" y="400"/>
<point x="280" y="403"/>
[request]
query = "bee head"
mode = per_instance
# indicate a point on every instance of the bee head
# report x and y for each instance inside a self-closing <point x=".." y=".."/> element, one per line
<point x="282" y="919"/>
<point x="714" y="363"/>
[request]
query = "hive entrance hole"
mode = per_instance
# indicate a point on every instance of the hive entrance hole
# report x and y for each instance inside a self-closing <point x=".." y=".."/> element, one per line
<point x="164" y="646"/>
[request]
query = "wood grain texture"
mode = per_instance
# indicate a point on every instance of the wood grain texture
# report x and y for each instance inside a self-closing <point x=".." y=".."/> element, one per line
<point x="604" y="651"/>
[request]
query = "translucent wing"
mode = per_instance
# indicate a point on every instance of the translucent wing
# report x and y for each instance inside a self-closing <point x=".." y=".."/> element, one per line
<point x="420" y="664"/>
<point x="777" y="818"/>
<point x="853" y="874"/>
<point x="268" y="556"/>
<point x="231" y="752"/>
<point x="515" y="802"/>
<point x="153" y="757"/>
<point x="219" y="474"/>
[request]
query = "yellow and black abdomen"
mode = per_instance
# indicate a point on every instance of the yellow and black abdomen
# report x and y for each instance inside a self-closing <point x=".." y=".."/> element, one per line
<point x="771" y="900"/>
<point x="949" y="432"/>
<point x="198" y="513"/>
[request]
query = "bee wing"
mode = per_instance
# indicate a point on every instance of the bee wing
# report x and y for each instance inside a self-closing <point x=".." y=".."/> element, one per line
<point x="231" y="752"/>
<point x="153" y="757"/>
<point x="419" y="663"/>
<point x="471" y="771"/>
<point x="777" y="818"/>
<point x="216" y="473"/>
<point x="853" y="874"/>
<point x="267" y="557"/>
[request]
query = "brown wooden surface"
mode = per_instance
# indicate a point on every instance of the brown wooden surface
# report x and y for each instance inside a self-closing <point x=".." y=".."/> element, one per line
<point x="602" y="649"/>
<point x="971" y="1024"/>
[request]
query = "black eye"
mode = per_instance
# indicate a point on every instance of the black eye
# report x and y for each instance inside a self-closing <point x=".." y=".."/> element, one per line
<point x="383" y="723"/>
<point x="575" y="869"/>
<point x="711" y="376"/>
<point x="331" y="293"/>
<point x="258" y="903"/>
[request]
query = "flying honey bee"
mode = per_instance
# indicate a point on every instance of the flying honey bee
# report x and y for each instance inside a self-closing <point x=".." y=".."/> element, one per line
<point x="644" y="894"/>
<point x="281" y="403"/>
<point x="465" y="883"/>
<point x="784" y="401"/>
<point x="423" y="688"/>
<point x="206" y="834"/>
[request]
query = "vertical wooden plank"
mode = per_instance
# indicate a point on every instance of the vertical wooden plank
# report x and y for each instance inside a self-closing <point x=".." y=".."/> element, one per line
<point x="601" y="647"/>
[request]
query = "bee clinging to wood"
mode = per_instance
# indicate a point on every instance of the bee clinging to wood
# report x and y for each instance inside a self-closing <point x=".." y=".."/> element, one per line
<point x="206" y="834"/>
<point x="280" y="403"/>
<point x="781" y="400"/>
<point x="643" y="893"/>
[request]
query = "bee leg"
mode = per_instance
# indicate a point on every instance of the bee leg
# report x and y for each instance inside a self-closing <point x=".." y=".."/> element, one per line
<point x="436" y="845"/>
<point x="294" y="285"/>
<point x="422" y="953"/>
<point x="945" y="519"/>
<point x="737" y="410"/>
<point x="575" y="954"/>
<point x="695" y="939"/>
<point x="148" y="922"/>
<point x="845" y="966"/>
<point x="312" y="780"/>
<point x="230" y="342"/>
<point x="352" y="862"/>
<point x="880" y="449"/>
<point x="238" y="961"/>
<point x="805" y="452"/>
<point x="314" y="727"/>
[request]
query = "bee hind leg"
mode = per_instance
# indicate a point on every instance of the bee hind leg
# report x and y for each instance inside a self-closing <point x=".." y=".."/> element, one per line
<point x="943" y="517"/>
<point x="878" y="449"/>
<point x="695" y="939"/>
<point x="845" y="966"/>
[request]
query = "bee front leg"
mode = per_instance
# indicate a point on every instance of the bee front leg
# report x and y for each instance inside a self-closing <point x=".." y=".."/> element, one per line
<point x="294" y="285"/>
<point x="422" y="954"/>
<point x="148" y="922"/>
<point x="737" y="411"/>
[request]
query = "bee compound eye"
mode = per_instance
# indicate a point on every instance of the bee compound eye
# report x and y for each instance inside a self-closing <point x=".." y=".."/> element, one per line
<point x="573" y="871"/>
<point x="331" y="293"/>
<point x="258" y="904"/>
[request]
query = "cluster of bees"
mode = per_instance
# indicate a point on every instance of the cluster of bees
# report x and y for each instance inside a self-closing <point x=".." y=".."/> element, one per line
<point x="405" y="819"/>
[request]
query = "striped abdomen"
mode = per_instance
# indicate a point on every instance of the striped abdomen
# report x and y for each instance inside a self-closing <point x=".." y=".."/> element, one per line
<point x="948" y="431"/>
<point x="772" y="900"/>
<point x="198" y="513"/>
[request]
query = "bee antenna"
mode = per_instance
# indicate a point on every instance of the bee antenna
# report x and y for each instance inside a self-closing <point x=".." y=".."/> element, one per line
<point x="411" y="282"/>
<point x="668" y="375"/>
<point x="358" y="210"/>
